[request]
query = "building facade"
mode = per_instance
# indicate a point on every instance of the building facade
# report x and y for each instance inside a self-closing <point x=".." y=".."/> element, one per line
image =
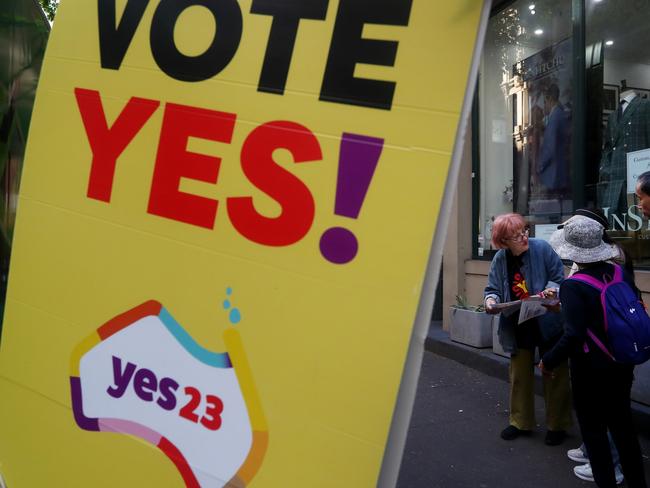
<point x="547" y="136"/>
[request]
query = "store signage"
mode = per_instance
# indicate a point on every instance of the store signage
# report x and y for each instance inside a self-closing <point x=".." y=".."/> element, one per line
<point x="632" y="220"/>
<point x="637" y="162"/>
<point x="216" y="197"/>
<point x="542" y="69"/>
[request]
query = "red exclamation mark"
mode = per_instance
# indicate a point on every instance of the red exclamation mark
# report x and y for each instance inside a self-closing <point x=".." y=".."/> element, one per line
<point x="358" y="159"/>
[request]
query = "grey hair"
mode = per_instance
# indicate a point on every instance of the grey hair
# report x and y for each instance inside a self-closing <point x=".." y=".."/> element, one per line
<point x="643" y="181"/>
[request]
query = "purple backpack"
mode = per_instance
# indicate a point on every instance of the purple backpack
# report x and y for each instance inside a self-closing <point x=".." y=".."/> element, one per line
<point x="626" y="321"/>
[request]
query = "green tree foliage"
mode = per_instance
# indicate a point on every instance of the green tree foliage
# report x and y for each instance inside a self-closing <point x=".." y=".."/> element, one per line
<point x="49" y="7"/>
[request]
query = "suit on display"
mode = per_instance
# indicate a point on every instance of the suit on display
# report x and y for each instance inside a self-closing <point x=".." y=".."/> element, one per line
<point x="626" y="132"/>
<point x="552" y="165"/>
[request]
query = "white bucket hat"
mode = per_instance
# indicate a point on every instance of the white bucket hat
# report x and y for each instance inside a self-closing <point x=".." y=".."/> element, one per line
<point x="581" y="240"/>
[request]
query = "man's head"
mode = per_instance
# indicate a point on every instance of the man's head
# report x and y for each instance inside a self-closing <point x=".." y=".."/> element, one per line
<point x="643" y="193"/>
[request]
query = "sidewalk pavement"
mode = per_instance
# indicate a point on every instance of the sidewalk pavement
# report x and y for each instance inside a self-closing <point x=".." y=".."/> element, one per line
<point x="460" y="409"/>
<point x="488" y="362"/>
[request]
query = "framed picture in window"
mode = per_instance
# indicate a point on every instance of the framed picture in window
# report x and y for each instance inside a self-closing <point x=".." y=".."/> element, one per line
<point x="610" y="98"/>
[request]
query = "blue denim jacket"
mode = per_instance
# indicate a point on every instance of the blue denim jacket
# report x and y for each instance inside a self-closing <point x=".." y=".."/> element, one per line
<point x="542" y="269"/>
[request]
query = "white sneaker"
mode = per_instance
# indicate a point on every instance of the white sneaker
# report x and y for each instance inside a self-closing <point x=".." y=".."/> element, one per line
<point x="577" y="455"/>
<point x="584" y="473"/>
<point x="618" y="474"/>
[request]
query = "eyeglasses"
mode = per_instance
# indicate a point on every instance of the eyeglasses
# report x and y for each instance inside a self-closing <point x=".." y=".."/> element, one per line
<point x="519" y="237"/>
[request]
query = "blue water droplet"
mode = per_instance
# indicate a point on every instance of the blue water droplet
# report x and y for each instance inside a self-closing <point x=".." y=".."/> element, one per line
<point x="228" y="291"/>
<point x="226" y="304"/>
<point x="235" y="316"/>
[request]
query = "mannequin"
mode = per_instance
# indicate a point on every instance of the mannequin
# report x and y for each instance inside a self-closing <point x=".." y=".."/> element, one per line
<point x="628" y="130"/>
<point x="626" y="97"/>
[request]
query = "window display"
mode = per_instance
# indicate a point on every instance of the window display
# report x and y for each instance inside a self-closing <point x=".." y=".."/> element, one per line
<point x="627" y="131"/>
<point x="525" y="112"/>
<point x="542" y="143"/>
<point x="541" y="154"/>
<point x="620" y="77"/>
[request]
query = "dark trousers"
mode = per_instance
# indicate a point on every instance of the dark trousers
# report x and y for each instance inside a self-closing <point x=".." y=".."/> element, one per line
<point x="602" y="401"/>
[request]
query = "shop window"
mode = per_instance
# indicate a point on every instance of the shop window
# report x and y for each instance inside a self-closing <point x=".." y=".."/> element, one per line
<point x="525" y="117"/>
<point x="618" y="140"/>
<point x="529" y="159"/>
<point x="526" y="103"/>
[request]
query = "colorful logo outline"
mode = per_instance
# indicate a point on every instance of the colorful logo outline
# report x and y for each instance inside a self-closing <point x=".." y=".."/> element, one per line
<point x="234" y="358"/>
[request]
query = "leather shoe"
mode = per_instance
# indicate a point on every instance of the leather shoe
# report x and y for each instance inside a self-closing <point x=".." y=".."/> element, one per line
<point x="511" y="432"/>
<point x="554" y="437"/>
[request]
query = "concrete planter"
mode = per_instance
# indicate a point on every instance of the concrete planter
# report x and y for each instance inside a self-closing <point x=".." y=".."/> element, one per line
<point x="470" y="328"/>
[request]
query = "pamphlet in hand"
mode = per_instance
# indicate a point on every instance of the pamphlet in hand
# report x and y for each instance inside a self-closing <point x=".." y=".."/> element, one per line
<point x="507" y="308"/>
<point x="528" y="307"/>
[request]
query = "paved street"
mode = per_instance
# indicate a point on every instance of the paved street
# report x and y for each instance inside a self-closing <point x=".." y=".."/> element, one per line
<point x="454" y="441"/>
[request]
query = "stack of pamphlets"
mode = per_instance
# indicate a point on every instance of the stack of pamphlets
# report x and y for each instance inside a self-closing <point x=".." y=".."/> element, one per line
<point x="528" y="307"/>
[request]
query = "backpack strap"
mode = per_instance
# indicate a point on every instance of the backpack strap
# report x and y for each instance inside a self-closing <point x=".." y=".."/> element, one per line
<point x="600" y="345"/>
<point x="595" y="282"/>
<point x="601" y="286"/>
<point x="590" y="280"/>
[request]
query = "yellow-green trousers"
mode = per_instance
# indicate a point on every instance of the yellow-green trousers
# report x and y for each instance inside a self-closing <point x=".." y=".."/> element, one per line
<point x="557" y="396"/>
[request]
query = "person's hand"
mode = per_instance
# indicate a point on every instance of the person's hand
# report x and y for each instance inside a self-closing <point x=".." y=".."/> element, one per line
<point x="549" y="293"/>
<point x="489" y="306"/>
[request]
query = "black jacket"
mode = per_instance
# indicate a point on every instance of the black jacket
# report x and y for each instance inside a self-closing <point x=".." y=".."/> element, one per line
<point x="582" y="309"/>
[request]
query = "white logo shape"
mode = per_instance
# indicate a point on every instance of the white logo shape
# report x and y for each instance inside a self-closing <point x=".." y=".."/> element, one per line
<point x="142" y="374"/>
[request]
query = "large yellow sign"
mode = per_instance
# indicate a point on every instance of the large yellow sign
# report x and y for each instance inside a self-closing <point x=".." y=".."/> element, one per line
<point x="225" y="218"/>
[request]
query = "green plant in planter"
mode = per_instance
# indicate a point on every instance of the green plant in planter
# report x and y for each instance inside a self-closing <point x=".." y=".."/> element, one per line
<point x="461" y="302"/>
<point x="468" y="324"/>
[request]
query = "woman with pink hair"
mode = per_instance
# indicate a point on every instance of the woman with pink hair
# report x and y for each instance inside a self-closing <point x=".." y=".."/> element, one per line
<point x="521" y="268"/>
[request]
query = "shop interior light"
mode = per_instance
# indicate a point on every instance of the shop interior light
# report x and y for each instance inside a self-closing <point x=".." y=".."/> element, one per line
<point x="531" y="6"/>
<point x="532" y="12"/>
<point x="539" y="32"/>
<point x="609" y="43"/>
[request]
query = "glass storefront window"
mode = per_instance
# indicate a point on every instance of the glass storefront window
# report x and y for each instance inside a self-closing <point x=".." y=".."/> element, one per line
<point x="530" y="161"/>
<point x="618" y="141"/>
<point x="525" y="116"/>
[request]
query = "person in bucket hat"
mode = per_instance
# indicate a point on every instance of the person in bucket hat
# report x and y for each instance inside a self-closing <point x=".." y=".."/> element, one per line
<point x="579" y="454"/>
<point x="580" y="239"/>
<point x="601" y="387"/>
